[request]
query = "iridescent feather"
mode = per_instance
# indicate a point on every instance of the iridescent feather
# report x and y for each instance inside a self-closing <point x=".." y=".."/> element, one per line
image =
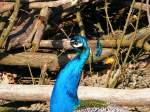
<point x="64" y="96"/>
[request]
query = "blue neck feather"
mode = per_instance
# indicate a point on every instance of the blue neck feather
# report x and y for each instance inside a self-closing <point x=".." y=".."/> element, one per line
<point x="64" y="96"/>
<point x="98" y="49"/>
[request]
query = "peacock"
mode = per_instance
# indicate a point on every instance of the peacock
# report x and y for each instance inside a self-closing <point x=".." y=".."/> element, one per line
<point x="64" y="96"/>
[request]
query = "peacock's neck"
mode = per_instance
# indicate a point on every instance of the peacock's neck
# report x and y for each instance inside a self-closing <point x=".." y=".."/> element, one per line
<point x="64" y="96"/>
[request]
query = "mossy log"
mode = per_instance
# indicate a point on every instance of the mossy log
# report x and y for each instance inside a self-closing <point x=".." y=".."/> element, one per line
<point x="126" y="97"/>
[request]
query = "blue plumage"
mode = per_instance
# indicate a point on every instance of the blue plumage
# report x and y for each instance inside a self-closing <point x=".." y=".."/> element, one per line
<point x="98" y="49"/>
<point x="64" y="96"/>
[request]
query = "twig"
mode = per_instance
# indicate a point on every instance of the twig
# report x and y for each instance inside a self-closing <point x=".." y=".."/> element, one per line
<point x="43" y="74"/>
<point x="148" y="12"/>
<point x="98" y="24"/>
<point x="122" y="67"/>
<point x="107" y="16"/>
<point x="125" y="27"/>
<point x="29" y="67"/>
<point x="134" y="37"/>
<point x="80" y="22"/>
<point x="122" y="36"/>
<point x="12" y="20"/>
<point x="2" y="23"/>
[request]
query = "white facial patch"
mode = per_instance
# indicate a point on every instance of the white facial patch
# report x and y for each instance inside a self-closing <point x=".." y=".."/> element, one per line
<point x="77" y="45"/>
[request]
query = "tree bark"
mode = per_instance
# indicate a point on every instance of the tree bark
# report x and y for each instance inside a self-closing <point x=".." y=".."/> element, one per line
<point x="16" y="41"/>
<point x="33" y="4"/>
<point x="5" y="6"/>
<point x="53" y="61"/>
<point x="60" y="44"/>
<point x="24" y="1"/>
<point x="126" y="97"/>
<point x="42" y="21"/>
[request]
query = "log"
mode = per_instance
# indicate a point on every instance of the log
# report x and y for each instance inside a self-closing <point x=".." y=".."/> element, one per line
<point x="17" y="41"/>
<point x="65" y="44"/>
<point x="108" y="42"/>
<point x="5" y="6"/>
<point x="34" y="4"/>
<point x="37" y="5"/>
<point x="138" y="5"/>
<point x="125" y="97"/>
<point x="23" y="1"/>
<point x="44" y="14"/>
<point x="39" y="59"/>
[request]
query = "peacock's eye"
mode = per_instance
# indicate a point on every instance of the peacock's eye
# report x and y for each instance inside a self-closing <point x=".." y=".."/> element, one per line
<point x="76" y="44"/>
<point x="73" y="42"/>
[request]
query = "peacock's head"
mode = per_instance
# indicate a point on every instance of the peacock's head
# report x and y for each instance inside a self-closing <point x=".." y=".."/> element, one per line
<point x="79" y="42"/>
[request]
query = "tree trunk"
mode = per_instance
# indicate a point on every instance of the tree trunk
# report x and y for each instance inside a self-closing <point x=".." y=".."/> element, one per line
<point x="126" y="97"/>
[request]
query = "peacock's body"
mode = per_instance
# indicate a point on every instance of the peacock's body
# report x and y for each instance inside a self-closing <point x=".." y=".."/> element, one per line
<point x="64" y="96"/>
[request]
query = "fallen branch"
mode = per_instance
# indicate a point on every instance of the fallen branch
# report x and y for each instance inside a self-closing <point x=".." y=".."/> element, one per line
<point x="134" y="97"/>
<point x="39" y="59"/>
<point x="12" y="20"/>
